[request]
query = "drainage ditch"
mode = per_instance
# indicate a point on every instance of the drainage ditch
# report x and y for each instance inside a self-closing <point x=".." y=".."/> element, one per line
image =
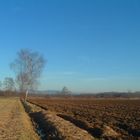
<point x="43" y="128"/>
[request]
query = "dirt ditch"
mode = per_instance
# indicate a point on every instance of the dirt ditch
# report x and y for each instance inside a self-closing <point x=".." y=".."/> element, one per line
<point x="42" y="127"/>
<point x="104" y="132"/>
<point x="49" y="126"/>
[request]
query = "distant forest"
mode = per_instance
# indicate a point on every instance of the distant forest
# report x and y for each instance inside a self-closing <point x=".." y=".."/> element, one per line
<point x="83" y="95"/>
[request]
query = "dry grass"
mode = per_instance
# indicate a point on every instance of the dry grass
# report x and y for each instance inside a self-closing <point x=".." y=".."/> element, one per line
<point x="14" y="122"/>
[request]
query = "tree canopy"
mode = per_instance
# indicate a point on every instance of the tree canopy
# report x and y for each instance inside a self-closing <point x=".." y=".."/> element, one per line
<point x="28" y="67"/>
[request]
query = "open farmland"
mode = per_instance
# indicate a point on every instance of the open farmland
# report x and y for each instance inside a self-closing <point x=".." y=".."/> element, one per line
<point x="35" y="124"/>
<point x="108" y="119"/>
<point x="14" y="122"/>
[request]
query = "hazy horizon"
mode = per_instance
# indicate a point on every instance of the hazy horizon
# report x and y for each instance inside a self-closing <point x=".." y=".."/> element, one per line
<point x="90" y="46"/>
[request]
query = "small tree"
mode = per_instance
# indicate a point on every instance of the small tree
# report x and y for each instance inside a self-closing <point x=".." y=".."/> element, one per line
<point x="9" y="84"/>
<point x="65" y="91"/>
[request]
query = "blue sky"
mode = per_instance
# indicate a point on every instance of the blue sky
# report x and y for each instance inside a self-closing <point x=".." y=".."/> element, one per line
<point x="90" y="45"/>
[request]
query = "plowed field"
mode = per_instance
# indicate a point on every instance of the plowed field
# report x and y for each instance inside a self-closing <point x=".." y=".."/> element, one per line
<point x="106" y="118"/>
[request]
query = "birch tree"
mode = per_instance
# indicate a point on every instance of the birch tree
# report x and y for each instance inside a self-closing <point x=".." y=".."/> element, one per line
<point x="28" y="67"/>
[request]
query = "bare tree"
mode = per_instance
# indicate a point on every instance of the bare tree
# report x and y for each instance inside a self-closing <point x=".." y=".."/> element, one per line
<point x="65" y="91"/>
<point x="9" y="84"/>
<point x="28" y="67"/>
